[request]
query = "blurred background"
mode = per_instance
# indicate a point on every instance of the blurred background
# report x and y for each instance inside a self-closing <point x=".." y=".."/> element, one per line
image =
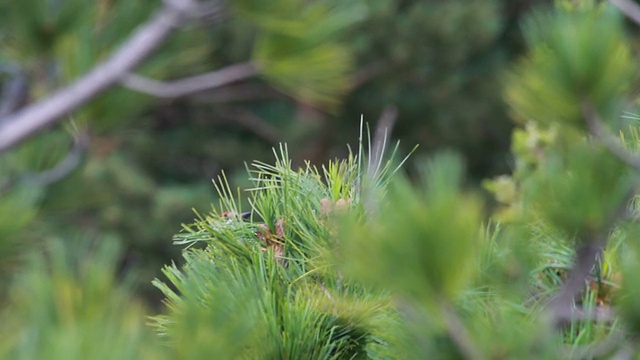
<point x="131" y="168"/>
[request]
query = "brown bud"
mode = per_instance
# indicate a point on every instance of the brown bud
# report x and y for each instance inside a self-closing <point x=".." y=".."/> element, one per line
<point x="325" y="206"/>
<point x="342" y="205"/>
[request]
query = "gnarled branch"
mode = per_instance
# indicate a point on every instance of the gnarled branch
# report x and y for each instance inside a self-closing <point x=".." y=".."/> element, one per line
<point x="67" y="165"/>
<point x="147" y="38"/>
<point x="189" y="85"/>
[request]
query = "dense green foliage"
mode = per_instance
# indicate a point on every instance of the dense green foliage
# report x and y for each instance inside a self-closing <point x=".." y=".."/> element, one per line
<point x="353" y="259"/>
<point x="322" y="64"/>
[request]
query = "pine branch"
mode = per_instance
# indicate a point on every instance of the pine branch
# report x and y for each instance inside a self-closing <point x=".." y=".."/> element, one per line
<point x="562" y="306"/>
<point x="597" y="350"/>
<point x="381" y="136"/>
<point x="626" y="352"/>
<point x="58" y="172"/>
<point x="69" y="163"/>
<point x="600" y="132"/>
<point x="140" y="45"/>
<point x="629" y="8"/>
<point x="459" y="333"/>
<point x="190" y="85"/>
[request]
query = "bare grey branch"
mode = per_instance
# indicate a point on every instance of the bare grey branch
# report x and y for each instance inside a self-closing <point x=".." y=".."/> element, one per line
<point x="598" y="350"/>
<point x="69" y="163"/>
<point x="562" y="305"/>
<point x="629" y="8"/>
<point x="190" y="85"/>
<point x="381" y="136"/>
<point x="58" y="172"/>
<point x="459" y="334"/>
<point x="597" y="129"/>
<point x="136" y="49"/>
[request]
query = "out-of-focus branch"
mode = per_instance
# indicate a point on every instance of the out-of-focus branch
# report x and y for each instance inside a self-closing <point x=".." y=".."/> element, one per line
<point x="58" y="172"/>
<point x="598" y="350"/>
<point x="69" y="163"/>
<point x="626" y="352"/>
<point x="597" y="129"/>
<point x="562" y="306"/>
<point x="190" y="85"/>
<point x="459" y="333"/>
<point x="597" y="314"/>
<point x="147" y="38"/>
<point x="629" y="8"/>
<point x="381" y="136"/>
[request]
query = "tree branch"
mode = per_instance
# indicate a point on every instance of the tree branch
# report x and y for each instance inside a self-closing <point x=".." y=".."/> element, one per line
<point x="596" y="350"/>
<point x="629" y="8"/>
<point x="58" y="172"/>
<point x="136" y="49"/>
<point x="69" y="163"/>
<point x="381" y="136"/>
<point x="626" y="352"/>
<point x="596" y="314"/>
<point x="459" y="333"/>
<point x="189" y="85"/>
<point x="562" y="306"/>
<point x="599" y="131"/>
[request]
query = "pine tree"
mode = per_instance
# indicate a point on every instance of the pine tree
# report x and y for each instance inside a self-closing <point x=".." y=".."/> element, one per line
<point x="354" y="259"/>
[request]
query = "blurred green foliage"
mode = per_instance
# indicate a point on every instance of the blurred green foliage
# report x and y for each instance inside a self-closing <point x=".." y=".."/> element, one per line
<point x="414" y="222"/>
<point x="151" y="161"/>
<point x="589" y="179"/>
<point x="334" y="262"/>
<point x="68" y="304"/>
<point x="267" y="288"/>
<point x="583" y="66"/>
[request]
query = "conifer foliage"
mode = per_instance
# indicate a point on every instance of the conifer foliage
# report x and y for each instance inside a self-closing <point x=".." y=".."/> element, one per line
<point x="267" y="286"/>
<point x="360" y="265"/>
<point x="356" y="260"/>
